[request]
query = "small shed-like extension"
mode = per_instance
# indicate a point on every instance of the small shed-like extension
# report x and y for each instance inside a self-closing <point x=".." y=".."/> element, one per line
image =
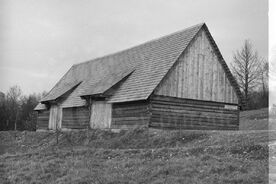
<point x="177" y="81"/>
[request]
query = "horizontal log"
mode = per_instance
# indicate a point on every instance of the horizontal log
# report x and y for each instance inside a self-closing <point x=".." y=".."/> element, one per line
<point x="43" y="119"/>
<point x="75" y="117"/>
<point x="131" y="115"/>
<point x="160" y="103"/>
<point x="186" y="119"/>
<point x="74" y="121"/>
<point x="141" y="110"/>
<point x="188" y="101"/>
<point x="43" y="112"/>
<point x="75" y="109"/>
<point x="64" y="120"/>
<point x="75" y="127"/>
<point x="194" y="126"/>
<point x="129" y="104"/>
<point x="75" y="114"/>
<point x="130" y="108"/>
<point x="179" y="113"/>
<point x="127" y="126"/>
<point x="43" y="123"/>
<point x="191" y="108"/>
<point x="173" y="117"/>
<point x="130" y="122"/>
<point x="75" y="124"/>
<point x="130" y="118"/>
<point x="193" y="120"/>
<point x="42" y="126"/>
<point x="184" y="126"/>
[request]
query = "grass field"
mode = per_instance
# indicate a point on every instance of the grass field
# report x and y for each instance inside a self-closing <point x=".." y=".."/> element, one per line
<point x="137" y="156"/>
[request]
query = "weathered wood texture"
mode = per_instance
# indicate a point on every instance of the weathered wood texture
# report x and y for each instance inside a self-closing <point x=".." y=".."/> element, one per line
<point x="172" y="112"/>
<point x="130" y="114"/>
<point x="75" y="117"/>
<point x="43" y="119"/>
<point x="198" y="74"/>
<point x="55" y="117"/>
<point x="100" y="114"/>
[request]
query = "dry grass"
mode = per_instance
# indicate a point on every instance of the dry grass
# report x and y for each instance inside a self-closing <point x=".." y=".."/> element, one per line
<point x="136" y="156"/>
<point x="254" y="120"/>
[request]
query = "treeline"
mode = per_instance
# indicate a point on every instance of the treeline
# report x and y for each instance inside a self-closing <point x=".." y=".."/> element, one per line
<point x="17" y="110"/>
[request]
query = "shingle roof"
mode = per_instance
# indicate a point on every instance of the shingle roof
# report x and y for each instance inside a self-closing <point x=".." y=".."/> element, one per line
<point x="40" y="106"/>
<point x="148" y="62"/>
<point x="92" y="87"/>
<point x="60" y="90"/>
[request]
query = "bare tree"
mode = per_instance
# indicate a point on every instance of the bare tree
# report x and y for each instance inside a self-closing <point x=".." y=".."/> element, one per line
<point x="247" y="68"/>
<point x="13" y="97"/>
<point x="264" y="76"/>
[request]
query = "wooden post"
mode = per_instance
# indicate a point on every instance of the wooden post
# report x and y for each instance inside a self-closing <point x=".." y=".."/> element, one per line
<point x="15" y="123"/>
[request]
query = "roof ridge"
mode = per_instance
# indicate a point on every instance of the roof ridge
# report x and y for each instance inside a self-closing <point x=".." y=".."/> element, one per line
<point x="141" y="44"/>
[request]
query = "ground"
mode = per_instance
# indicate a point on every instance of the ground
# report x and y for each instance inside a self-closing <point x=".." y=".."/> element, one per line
<point x="140" y="155"/>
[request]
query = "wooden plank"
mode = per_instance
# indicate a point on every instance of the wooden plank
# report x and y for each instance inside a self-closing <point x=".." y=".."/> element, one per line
<point x="43" y="119"/>
<point x="193" y="113"/>
<point x="145" y="122"/>
<point x="194" y="127"/>
<point x="190" y="101"/>
<point x="100" y="114"/>
<point x="203" y="74"/>
<point x="136" y="115"/>
<point x="137" y="118"/>
<point x="192" y="123"/>
<point x="211" y="108"/>
<point x="183" y="116"/>
<point x="76" y="117"/>
<point x="127" y="126"/>
<point x="204" y="121"/>
<point x="193" y="108"/>
<point x="178" y="111"/>
<point x="130" y="115"/>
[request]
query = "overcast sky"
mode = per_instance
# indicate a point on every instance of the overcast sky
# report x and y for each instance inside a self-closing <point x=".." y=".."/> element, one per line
<point x="41" y="39"/>
<point x="272" y="52"/>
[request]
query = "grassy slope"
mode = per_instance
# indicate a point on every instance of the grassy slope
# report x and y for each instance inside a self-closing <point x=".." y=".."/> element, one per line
<point x="137" y="156"/>
<point x="254" y="119"/>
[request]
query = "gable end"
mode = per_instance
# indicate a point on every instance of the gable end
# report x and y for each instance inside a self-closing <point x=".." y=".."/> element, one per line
<point x="200" y="73"/>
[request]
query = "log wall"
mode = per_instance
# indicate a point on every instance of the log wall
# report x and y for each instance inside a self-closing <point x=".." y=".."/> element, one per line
<point x="198" y="74"/>
<point x="130" y="115"/>
<point x="171" y="112"/>
<point x="75" y="117"/>
<point x="43" y="119"/>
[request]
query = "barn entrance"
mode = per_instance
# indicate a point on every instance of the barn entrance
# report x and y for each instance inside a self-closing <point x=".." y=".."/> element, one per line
<point x="55" y="117"/>
<point x="100" y="114"/>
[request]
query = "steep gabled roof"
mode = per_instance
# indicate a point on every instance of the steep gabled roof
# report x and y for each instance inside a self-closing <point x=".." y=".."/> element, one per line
<point x="148" y="62"/>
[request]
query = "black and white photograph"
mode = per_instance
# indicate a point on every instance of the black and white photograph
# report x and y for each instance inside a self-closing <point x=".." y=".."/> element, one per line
<point x="137" y="92"/>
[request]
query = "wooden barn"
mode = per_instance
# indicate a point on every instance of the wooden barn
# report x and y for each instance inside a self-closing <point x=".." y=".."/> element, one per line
<point x="177" y="81"/>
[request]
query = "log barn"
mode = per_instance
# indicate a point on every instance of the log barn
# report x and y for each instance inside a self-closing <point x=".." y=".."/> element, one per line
<point x="177" y="81"/>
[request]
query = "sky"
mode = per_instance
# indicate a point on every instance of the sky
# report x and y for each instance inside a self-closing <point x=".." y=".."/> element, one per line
<point x="272" y="52"/>
<point x="41" y="39"/>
